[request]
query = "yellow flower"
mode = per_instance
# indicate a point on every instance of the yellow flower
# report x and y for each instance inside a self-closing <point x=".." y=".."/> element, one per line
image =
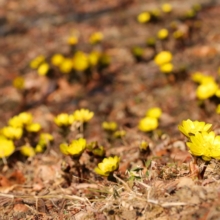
<point x="119" y="134"/>
<point x="95" y="149"/>
<point x="66" y="66"/>
<point x="144" y="145"/>
<point x="96" y="38"/>
<point x="163" y="34"/>
<point x="154" y="112"/>
<point x="43" y="69"/>
<point x="27" y="150"/>
<point x="44" y="140"/>
<point x="107" y="166"/>
<point x="80" y="61"/>
<point x="12" y="132"/>
<point x="35" y="63"/>
<point x="83" y="115"/>
<point x="148" y="124"/>
<point x="189" y="128"/>
<point x="137" y="51"/>
<point x="94" y="57"/>
<point x="6" y="147"/>
<point x="190" y="13"/>
<point x="207" y="90"/>
<point x="109" y="126"/>
<point x="205" y="144"/>
<point x="218" y="109"/>
<point x="178" y="34"/>
<point x="34" y="127"/>
<point x="200" y="78"/>
<point x="144" y="17"/>
<point x="57" y="59"/>
<point x="105" y="60"/>
<point x="20" y="120"/>
<point x="75" y="148"/>
<point x="25" y="117"/>
<point x="151" y="41"/>
<point x="18" y="82"/>
<point x="163" y="57"/>
<point x="166" y="8"/>
<point x="63" y="119"/>
<point x="155" y="13"/>
<point x="166" y="68"/>
<point x="218" y="93"/>
<point x="73" y="40"/>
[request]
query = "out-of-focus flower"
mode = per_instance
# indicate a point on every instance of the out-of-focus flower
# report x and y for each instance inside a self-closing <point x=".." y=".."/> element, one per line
<point x="95" y="149"/>
<point x="57" y="59"/>
<point x="33" y="127"/>
<point x="21" y="120"/>
<point x="43" y="69"/>
<point x="144" y="145"/>
<point x="166" y="7"/>
<point x="18" y="83"/>
<point x="201" y="78"/>
<point x="94" y="57"/>
<point x="12" y="132"/>
<point x="107" y="166"/>
<point x="83" y="115"/>
<point x="6" y="147"/>
<point x="109" y="126"/>
<point x="73" y="40"/>
<point x="190" y="13"/>
<point x="205" y="144"/>
<point x="35" y="63"/>
<point x="63" y="120"/>
<point x="163" y="34"/>
<point x="137" y="51"/>
<point x="151" y="41"/>
<point x="96" y="38"/>
<point x="207" y="90"/>
<point x="144" y="17"/>
<point x="166" y="68"/>
<point x="27" y="151"/>
<point x="189" y="128"/>
<point x="155" y="13"/>
<point x="163" y="57"/>
<point x="119" y="134"/>
<point x="148" y="124"/>
<point x="66" y="66"/>
<point x="178" y="34"/>
<point x="80" y="61"/>
<point x="154" y="112"/>
<point x="75" y="148"/>
<point x="44" y="140"/>
<point x="218" y="109"/>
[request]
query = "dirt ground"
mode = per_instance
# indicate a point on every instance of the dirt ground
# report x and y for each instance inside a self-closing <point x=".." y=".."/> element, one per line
<point x="36" y="187"/>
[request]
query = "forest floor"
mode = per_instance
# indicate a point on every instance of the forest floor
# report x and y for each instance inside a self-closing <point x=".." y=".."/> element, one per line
<point x="162" y="187"/>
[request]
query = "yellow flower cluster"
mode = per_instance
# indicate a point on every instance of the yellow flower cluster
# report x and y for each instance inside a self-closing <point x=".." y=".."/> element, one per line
<point x="201" y="141"/>
<point x="207" y="86"/>
<point x="75" y="148"/>
<point x="163" y="60"/>
<point x="150" y="121"/>
<point x="65" y="120"/>
<point x="17" y="125"/>
<point x="107" y="166"/>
